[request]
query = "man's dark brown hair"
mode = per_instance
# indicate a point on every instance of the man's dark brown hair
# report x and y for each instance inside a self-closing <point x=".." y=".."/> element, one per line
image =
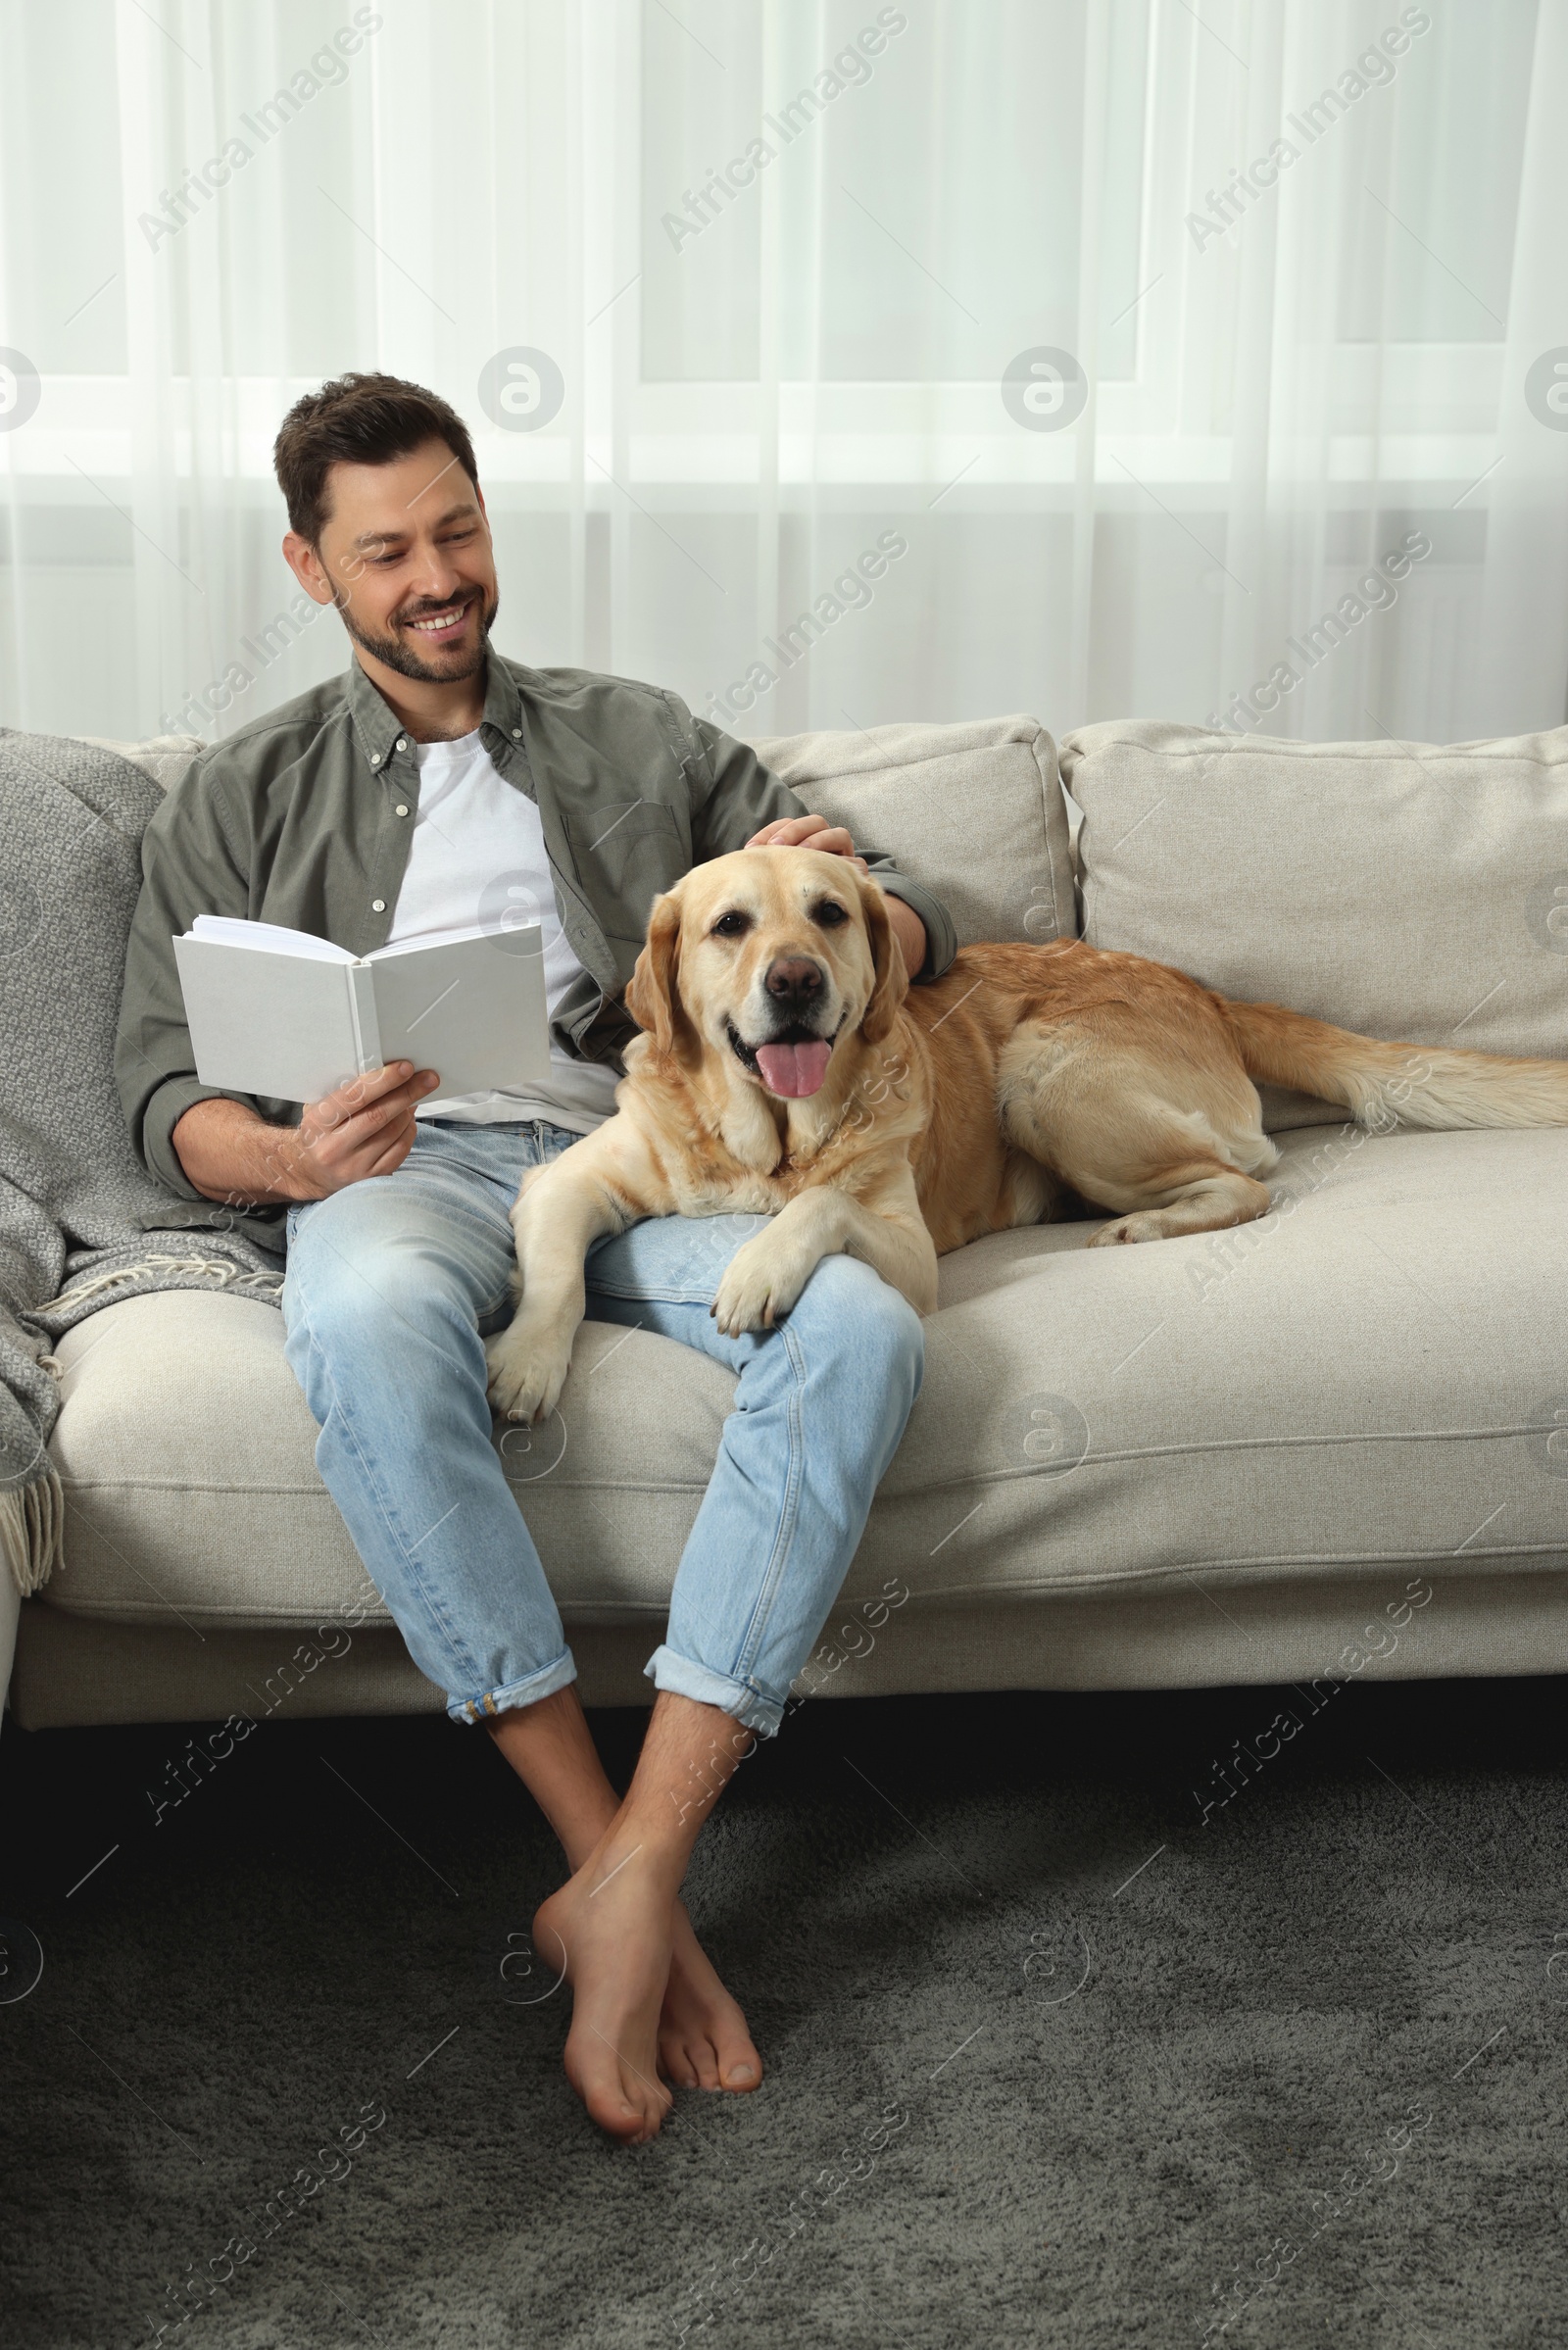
<point x="358" y="421"/>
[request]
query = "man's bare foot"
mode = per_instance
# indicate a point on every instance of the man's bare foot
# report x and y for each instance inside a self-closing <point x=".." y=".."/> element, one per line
<point x="702" y="2039"/>
<point x="644" y="1995"/>
<point x="609" y="1928"/>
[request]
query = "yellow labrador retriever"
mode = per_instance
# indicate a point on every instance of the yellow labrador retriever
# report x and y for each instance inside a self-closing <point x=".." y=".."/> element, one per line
<point x="788" y="1069"/>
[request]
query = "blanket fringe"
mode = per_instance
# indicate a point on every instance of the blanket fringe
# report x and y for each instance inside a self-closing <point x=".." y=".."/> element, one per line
<point x="31" y="1531"/>
<point x="222" y="1269"/>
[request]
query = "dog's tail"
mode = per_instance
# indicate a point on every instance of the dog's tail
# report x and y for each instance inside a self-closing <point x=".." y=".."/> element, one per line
<point x="1417" y="1085"/>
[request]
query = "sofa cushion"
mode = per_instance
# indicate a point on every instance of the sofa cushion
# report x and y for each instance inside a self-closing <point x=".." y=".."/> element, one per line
<point x="1367" y="1378"/>
<point x="975" y="812"/>
<point x="161" y="757"/>
<point x="1409" y="890"/>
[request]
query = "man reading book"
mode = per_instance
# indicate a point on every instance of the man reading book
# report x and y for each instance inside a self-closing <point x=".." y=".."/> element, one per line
<point x="439" y="784"/>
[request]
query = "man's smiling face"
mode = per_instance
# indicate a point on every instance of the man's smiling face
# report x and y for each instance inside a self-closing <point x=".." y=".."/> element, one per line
<point x="406" y="550"/>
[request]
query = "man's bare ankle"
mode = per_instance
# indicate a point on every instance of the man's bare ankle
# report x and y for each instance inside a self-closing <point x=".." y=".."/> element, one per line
<point x="631" y="1857"/>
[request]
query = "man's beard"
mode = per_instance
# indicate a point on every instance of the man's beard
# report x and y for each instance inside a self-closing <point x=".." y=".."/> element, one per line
<point x="401" y="656"/>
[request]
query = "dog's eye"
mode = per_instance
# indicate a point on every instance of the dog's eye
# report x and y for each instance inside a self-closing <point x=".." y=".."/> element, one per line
<point x="829" y="914"/>
<point x="731" y="926"/>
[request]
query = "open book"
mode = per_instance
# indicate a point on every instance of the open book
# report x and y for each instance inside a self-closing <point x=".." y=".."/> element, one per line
<point x="283" y="1013"/>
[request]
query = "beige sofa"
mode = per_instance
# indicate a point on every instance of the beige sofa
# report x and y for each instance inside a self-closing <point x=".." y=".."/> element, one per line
<point x="1323" y="1445"/>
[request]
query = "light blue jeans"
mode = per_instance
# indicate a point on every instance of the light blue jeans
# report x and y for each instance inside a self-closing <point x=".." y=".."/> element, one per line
<point x="392" y="1286"/>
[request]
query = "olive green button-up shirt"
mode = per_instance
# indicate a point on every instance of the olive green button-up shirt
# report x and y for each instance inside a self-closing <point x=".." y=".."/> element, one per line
<point x="305" y="819"/>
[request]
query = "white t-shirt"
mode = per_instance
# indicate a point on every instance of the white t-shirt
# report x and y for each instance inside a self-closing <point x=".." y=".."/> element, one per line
<point x="478" y="854"/>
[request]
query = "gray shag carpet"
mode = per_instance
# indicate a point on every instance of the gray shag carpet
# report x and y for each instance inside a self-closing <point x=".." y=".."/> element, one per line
<point x="1055" y="2059"/>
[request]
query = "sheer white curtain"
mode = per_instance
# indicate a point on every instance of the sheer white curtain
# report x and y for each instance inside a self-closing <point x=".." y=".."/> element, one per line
<point x="830" y="361"/>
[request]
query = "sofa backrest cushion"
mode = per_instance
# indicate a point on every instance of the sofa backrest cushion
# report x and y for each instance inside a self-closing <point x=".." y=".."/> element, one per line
<point x="1412" y="891"/>
<point x="162" y="757"/>
<point x="975" y="812"/>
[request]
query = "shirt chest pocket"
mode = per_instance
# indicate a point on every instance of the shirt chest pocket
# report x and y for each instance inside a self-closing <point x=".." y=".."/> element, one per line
<point x="625" y="853"/>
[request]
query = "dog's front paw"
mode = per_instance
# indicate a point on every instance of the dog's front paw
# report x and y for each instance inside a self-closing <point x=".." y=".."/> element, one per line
<point x="528" y="1366"/>
<point x="759" y="1287"/>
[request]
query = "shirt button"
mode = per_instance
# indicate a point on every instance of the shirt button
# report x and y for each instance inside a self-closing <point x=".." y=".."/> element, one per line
<point x="516" y="734"/>
<point x="400" y="809"/>
<point x="378" y="905"/>
<point x="400" y="744"/>
<point x="376" y="758"/>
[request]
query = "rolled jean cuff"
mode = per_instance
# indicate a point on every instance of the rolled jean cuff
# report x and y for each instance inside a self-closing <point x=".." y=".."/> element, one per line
<point x="543" y="1684"/>
<point x="754" y="1710"/>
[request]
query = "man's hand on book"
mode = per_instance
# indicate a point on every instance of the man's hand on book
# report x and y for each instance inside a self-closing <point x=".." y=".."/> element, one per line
<point x="366" y="1127"/>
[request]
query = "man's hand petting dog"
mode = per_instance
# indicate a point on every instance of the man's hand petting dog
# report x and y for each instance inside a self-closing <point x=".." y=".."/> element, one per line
<point x="802" y="832"/>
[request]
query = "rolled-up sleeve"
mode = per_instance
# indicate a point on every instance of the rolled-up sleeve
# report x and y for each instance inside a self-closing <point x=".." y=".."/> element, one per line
<point x="941" y="938"/>
<point x="190" y="867"/>
<point x="735" y="794"/>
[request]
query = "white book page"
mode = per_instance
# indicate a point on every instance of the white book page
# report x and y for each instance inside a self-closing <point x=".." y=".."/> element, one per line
<point x="229" y="930"/>
<point x="471" y="1006"/>
<point x="267" y="1021"/>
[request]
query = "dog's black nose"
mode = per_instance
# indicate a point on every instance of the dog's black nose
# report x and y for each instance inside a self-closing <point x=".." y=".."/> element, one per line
<point x="795" y="981"/>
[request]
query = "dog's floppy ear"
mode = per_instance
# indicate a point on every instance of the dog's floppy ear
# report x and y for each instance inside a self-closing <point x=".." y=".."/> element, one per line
<point x="652" y="996"/>
<point x="892" y="981"/>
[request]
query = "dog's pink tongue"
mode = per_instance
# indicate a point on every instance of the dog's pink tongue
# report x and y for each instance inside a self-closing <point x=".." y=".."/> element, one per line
<point x="794" y="1070"/>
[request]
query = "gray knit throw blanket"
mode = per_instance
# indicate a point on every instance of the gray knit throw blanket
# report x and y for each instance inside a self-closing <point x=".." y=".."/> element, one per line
<point x="82" y="1224"/>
